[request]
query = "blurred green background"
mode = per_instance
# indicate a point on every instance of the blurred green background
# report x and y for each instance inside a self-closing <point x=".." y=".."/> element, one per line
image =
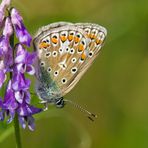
<point x="115" y="87"/>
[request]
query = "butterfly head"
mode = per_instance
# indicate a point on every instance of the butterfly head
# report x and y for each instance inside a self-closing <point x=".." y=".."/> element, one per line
<point x="60" y="102"/>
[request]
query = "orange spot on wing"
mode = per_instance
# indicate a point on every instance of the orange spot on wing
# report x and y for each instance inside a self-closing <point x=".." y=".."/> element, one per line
<point x="44" y="45"/>
<point x="83" y="56"/>
<point x="98" y="41"/>
<point x="81" y="47"/>
<point x="92" y="36"/>
<point x="54" y="40"/>
<point x="63" y="38"/>
<point x="76" y="39"/>
<point x="70" y="37"/>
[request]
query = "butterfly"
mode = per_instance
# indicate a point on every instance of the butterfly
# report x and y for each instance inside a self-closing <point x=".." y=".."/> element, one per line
<point x="65" y="51"/>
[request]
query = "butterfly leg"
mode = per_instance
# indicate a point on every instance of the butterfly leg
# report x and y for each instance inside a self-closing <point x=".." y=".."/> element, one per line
<point x="46" y="106"/>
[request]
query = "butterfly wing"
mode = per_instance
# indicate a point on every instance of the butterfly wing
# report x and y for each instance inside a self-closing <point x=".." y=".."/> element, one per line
<point x="65" y="52"/>
<point x="96" y="35"/>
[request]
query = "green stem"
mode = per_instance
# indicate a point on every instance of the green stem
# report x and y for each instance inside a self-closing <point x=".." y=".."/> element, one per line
<point x="17" y="132"/>
<point x="16" y="121"/>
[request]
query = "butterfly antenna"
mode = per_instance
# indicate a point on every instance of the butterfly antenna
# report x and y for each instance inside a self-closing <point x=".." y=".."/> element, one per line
<point x="90" y="115"/>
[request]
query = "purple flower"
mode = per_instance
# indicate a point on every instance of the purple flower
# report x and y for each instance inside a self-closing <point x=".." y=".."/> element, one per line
<point x="5" y="58"/>
<point x="9" y="104"/>
<point x="25" y="112"/>
<point x="1" y="16"/>
<point x="2" y="75"/>
<point x="8" y="29"/>
<point x="27" y="120"/>
<point x="3" y="6"/>
<point x="19" y="82"/>
<point x="17" y="96"/>
<point x="21" y="32"/>
<point x="21" y="87"/>
<point x="17" y="101"/>
<point x="5" y="3"/>
<point x="24" y="60"/>
<point x="4" y="45"/>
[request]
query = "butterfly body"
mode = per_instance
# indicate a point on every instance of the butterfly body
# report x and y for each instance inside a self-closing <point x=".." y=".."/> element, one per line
<point x="65" y="51"/>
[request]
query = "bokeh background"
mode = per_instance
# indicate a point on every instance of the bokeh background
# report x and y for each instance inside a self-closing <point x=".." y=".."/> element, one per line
<point x="115" y="87"/>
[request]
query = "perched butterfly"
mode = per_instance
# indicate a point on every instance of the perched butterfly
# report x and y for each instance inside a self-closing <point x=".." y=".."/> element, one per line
<point x="65" y="51"/>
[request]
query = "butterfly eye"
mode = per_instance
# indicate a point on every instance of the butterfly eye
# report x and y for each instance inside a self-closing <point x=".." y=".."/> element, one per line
<point x="74" y="70"/>
<point x="60" y="103"/>
<point x="64" y="80"/>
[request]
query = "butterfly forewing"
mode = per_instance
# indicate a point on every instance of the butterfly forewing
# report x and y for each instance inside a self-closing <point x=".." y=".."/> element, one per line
<point x="66" y="51"/>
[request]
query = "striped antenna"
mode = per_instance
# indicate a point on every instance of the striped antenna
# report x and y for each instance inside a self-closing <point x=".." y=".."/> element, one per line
<point x="90" y="115"/>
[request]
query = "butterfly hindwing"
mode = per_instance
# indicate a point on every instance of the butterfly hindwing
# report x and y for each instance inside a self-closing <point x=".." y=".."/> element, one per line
<point x="66" y="50"/>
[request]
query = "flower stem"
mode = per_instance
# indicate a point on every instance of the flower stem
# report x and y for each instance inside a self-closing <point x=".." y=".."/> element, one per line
<point x="16" y="121"/>
<point x="17" y="132"/>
